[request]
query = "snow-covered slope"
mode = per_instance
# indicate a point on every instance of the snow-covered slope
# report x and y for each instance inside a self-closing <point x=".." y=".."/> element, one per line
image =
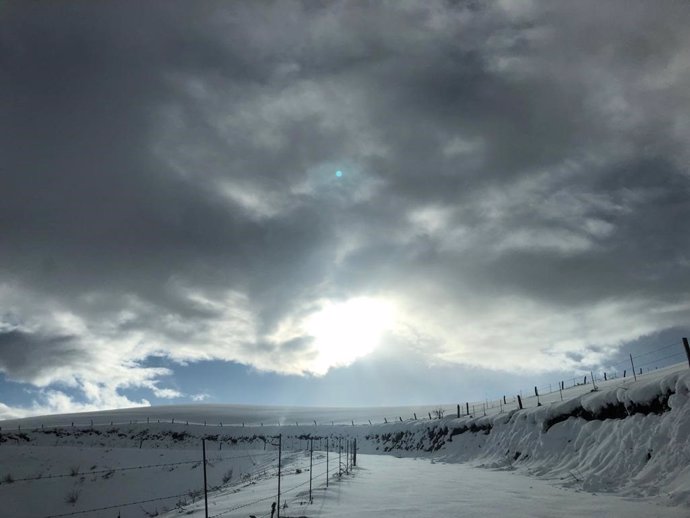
<point x="629" y="437"/>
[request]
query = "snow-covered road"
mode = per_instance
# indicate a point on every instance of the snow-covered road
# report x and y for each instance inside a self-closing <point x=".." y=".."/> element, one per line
<point x="387" y="486"/>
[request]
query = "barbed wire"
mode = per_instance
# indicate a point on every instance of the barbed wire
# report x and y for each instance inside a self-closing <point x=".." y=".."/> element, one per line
<point x="127" y="468"/>
<point x="105" y="508"/>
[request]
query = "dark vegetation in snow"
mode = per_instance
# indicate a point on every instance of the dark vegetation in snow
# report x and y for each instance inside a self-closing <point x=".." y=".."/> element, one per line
<point x="614" y="411"/>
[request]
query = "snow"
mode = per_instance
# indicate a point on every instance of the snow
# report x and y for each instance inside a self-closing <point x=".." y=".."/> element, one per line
<point x="623" y="449"/>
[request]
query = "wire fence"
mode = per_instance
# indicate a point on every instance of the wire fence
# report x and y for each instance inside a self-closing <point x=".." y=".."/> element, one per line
<point x="635" y="366"/>
<point x="285" y="463"/>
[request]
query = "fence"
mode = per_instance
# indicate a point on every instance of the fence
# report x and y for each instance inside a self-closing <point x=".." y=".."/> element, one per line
<point x="621" y="372"/>
<point x="630" y="368"/>
<point x="336" y="457"/>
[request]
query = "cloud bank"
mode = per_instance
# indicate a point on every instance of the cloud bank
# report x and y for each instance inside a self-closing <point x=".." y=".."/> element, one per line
<point x="515" y="183"/>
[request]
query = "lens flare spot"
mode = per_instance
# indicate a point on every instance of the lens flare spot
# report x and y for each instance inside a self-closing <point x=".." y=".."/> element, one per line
<point x="339" y="173"/>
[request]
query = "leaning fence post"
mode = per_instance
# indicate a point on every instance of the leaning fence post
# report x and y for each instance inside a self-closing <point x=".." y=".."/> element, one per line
<point x="633" y="367"/>
<point x="519" y="401"/>
<point x="686" y="346"/>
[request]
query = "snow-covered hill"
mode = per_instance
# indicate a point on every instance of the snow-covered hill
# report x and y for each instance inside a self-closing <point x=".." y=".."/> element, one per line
<point x="628" y="437"/>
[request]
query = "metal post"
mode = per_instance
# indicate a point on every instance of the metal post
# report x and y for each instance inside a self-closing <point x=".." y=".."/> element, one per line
<point x="633" y="367"/>
<point x="311" y="464"/>
<point x="203" y="449"/>
<point x="280" y="451"/>
<point x="354" y="453"/>
<point x="347" y="456"/>
<point x="327" y="439"/>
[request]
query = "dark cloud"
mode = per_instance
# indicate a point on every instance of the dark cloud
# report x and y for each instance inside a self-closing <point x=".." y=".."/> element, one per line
<point x="167" y="175"/>
<point x="26" y="356"/>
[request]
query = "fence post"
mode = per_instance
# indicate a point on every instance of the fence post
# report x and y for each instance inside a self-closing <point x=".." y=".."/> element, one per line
<point x="311" y="465"/>
<point x="458" y="410"/>
<point x="203" y="449"/>
<point x="327" y="440"/>
<point x="467" y="407"/>
<point x="687" y="349"/>
<point x="633" y="367"/>
<point x="347" y="456"/>
<point x="519" y="401"/>
<point x="415" y="417"/>
<point x="354" y="453"/>
<point x="280" y="454"/>
<point x="340" y="456"/>
<point x="605" y="378"/>
<point x="593" y="384"/>
<point x="624" y="372"/>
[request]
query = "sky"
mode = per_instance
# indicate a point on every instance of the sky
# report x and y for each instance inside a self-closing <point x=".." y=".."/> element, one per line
<point x="336" y="203"/>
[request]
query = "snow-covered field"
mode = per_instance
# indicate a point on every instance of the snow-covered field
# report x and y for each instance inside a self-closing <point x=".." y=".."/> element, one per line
<point x="623" y="449"/>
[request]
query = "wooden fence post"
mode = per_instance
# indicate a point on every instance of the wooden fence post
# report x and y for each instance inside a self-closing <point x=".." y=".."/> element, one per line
<point x="519" y="402"/>
<point x="633" y="367"/>
<point x="687" y="349"/>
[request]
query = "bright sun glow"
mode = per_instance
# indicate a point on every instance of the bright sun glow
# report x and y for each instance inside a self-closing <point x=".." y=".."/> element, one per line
<point x="346" y="331"/>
